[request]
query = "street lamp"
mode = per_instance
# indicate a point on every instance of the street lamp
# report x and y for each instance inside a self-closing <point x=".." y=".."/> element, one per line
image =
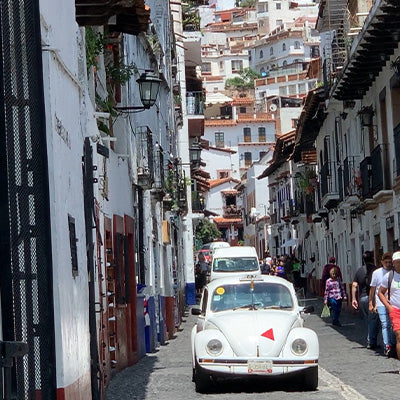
<point x="149" y="85"/>
<point x="195" y="153"/>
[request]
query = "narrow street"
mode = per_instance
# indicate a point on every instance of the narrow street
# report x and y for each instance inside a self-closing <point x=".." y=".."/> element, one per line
<point x="347" y="369"/>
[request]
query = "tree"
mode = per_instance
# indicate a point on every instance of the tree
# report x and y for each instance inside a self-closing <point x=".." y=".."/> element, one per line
<point x="245" y="80"/>
<point x="207" y="231"/>
<point x="248" y="3"/>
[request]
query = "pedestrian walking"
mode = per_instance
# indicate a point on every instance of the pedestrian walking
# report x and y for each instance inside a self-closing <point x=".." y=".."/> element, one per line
<point x="280" y="269"/>
<point x="334" y="294"/>
<point x="376" y="306"/>
<point x="296" y="273"/>
<point x="326" y="273"/>
<point x="389" y="295"/>
<point x="360" y="297"/>
<point x="201" y="274"/>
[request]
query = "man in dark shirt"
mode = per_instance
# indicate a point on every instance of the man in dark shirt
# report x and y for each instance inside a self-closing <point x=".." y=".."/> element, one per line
<point x="360" y="296"/>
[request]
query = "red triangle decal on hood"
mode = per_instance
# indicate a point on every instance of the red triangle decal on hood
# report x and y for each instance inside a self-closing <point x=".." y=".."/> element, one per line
<point x="269" y="334"/>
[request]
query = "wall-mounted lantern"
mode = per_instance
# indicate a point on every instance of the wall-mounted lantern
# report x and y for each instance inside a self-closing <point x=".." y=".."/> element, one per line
<point x="395" y="66"/>
<point x="149" y="85"/>
<point x="366" y="115"/>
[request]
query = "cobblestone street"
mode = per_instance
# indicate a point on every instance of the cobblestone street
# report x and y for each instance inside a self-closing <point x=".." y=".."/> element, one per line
<point x="347" y="369"/>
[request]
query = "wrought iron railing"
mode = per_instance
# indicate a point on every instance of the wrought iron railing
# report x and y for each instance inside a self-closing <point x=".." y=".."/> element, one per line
<point x="396" y="135"/>
<point x="195" y="103"/>
<point x="351" y="177"/>
<point x="197" y="202"/>
<point x="328" y="182"/>
<point x="377" y="182"/>
<point x="145" y="160"/>
<point x="366" y="177"/>
<point x="232" y="211"/>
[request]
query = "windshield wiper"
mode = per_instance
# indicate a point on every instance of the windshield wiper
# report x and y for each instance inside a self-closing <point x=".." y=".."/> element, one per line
<point x="276" y="307"/>
<point x="251" y="306"/>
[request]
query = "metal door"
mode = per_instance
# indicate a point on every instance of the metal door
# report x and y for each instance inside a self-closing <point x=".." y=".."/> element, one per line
<point x="25" y="238"/>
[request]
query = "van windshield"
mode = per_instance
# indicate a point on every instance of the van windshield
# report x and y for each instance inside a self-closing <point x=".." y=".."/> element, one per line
<point x="235" y="264"/>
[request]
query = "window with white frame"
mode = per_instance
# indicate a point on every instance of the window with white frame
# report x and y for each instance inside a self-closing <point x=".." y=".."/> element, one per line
<point x="206" y="67"/>
<point x="237" y="65"/>
<point x="247" y="134"/>
<point x="302" y="88"/>
<point x="219" y="139"/>
<point x="222" y="174"/>
<point x="247" y="159"/>
<point x="292" y="89"/>
<point x="261" y="134"/>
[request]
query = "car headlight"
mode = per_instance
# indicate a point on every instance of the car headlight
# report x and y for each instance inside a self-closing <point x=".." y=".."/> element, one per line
<point x="214" y="347"/>
<point x="299" y="347"/>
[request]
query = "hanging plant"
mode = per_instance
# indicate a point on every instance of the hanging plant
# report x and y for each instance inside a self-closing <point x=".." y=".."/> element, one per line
<point x="307" y="181"/>
<point x="95" y="43"/>
<point x="120" y="73"/>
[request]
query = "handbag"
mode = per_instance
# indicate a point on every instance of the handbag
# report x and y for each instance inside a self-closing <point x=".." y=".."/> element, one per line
<point x="325" y="312"/>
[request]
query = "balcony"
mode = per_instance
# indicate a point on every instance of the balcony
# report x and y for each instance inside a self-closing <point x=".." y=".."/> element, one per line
<point x="145" y="158"/>
<point x="329" y="185"/>
<point x="197" y="202"/>
<point x="158" y="185"/>
<point x="375" y="178"/>
<point x="381" y="183"/>
<point x="352" y="182"/>
<point x="195" y="103"/>
<point x="396" y="135"/>
<point x="232" y="211"/>
<point x="131" y="19"/>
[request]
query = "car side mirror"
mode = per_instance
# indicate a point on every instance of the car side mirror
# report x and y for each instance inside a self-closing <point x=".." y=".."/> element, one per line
<point x="196" y="310"/>
<point x="308" y="309"/>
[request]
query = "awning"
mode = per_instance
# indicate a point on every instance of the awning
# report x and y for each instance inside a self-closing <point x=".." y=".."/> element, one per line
<point x="217" y="98"/>
<point x="289" y="243"/>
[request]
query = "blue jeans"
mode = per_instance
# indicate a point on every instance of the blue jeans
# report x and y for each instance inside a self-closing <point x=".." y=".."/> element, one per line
<point x="372" y="321"/>
<point x="336" y="308"/>
<point x="387" y="332"/>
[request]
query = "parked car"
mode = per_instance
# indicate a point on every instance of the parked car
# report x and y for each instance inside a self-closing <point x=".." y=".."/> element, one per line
<point x="234" y="261"/>
<point x="252" y="327"/>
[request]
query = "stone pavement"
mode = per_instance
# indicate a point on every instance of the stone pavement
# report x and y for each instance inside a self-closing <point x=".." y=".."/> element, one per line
<point x="344" y="355"/>
<point x="347" y="369"/>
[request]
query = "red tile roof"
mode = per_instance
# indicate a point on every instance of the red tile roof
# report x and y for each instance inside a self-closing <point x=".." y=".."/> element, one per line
<point x="217" y="182"/>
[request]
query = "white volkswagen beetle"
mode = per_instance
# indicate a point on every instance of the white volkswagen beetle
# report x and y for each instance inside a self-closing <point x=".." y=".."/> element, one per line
<point x="252" y="326"/>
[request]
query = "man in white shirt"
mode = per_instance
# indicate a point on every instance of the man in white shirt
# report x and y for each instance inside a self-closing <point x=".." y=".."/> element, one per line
<point x="393" y="303"/>
<point x="375" y="305"/>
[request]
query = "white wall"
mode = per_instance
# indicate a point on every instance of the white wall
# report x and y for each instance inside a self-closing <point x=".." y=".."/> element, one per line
<point x="66" y="127"/>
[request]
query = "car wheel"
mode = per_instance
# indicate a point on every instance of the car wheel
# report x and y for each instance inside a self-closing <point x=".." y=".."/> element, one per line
<point x="201" y="380"/>
<point x="310" y="378"/>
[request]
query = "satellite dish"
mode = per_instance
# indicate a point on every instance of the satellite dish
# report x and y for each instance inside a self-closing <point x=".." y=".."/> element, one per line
<point x="273" y="107"/>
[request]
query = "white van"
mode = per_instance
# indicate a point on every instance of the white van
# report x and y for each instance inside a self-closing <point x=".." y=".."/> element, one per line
<point x="234" y="261"/>
<point x="212" y="246"/>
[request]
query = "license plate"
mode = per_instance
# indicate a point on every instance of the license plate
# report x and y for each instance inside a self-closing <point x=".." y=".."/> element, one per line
<point x="259" y="366"/>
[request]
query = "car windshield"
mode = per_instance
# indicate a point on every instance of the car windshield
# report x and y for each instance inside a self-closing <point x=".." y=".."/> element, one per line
<point x="264" y="295"/>
<point x="235" y="264"/>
